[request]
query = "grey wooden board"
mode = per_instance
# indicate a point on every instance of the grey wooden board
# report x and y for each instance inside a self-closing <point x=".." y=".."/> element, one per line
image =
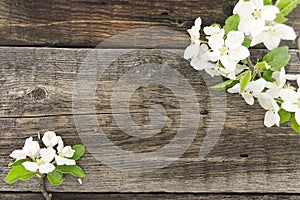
<point x="36" y="95"/>
<point x="86" y="23"/>
<point x="69" y="196"/>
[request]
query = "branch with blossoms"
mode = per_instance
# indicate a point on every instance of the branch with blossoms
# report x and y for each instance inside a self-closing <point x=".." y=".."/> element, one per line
<point x="226" y="53"/>
<point x="51" y="162"/>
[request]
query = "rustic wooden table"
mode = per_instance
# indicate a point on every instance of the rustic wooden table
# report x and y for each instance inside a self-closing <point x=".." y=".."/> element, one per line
<point x="44" y="43"/>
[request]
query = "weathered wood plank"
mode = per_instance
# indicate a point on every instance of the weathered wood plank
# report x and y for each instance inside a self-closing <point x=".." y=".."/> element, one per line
<point x="36" y="95"/>
<point x="88" y="22"/>
<point x="96" y="196"/>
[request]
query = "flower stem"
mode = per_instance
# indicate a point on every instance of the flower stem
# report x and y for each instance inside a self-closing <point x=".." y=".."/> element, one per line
<point x="46" y="195"/>
<point x="251" y="65"/>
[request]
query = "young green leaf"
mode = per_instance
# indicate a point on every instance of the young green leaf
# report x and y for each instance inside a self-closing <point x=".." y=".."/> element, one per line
<point x="232" y="23"/>
<point x="224" y="85"/>
<point x="247" y="42"/>
<point x="75" y="170"/>
<point x="285" y="116"/>
<point x="282" y="3"/>
<point x="79" y="151"/>
<point x="244" y="81"/>
<point x="268" y="76"/>
<point x="280" y="18"/>
<point x="267" y="2"/>
<point x="295" y="125"/>
<point x="18" y="162"/>
<point x="278" y="58"/>
<point x="55" y="178"/>
<point x="18" y="172"/>
<point x="290" y="7"/>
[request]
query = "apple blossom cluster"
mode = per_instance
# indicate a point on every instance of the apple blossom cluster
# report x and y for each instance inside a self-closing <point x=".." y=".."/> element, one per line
<point x="225" y="52"/>
<point x="52" y="161"/>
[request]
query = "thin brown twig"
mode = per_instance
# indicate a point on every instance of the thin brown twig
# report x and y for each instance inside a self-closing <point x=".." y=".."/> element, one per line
<point x="47" y="195"/>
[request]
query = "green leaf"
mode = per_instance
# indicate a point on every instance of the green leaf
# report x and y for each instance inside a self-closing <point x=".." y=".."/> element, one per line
<point x="232" y="23"/>
<point x="295" y="125"/>
<point x="282" y="3"/>
<point x="267" y="2"/>
<point x="247" y="42"/>
<point x="224" y="85"/>
<point x="18" y="172"/>
<point x="290" y="7"/>
<point x="284" y="116"/>
<point x="55" y="178"/>
<point x="268" y="76"/>
<point x="244" y="81"/>
<point x="75" y="170"/>
<point x="280" y="18"/>
<point x="278" y="58"/>
<point x="79" y="151"/>
<point x="18" y="162"/>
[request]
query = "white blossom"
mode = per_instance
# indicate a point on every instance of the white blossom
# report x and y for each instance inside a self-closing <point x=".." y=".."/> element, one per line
<point x="229" y="51"/>
<point x="253" y="89"/>
<point x="31" y="148"/>
<point x="268" y="103"/>
<point x="43" y="163"/>
<point x="291" y="102"/>
<point x="276" y="86"/>
<point x="273" y="34"/>
<point x="50" y="139"/>
<point x="64" y="153"/>
<point x="254" y="15"/>
<point x="18" y="154"/>
<point x="195" y="31"/>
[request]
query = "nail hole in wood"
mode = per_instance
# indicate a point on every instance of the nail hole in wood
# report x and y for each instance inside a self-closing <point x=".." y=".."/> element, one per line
<point x="164" y="14"/>
<point x="204" y="112"/>
<point x="244" y="155"/>
<point x="179" y="22"/>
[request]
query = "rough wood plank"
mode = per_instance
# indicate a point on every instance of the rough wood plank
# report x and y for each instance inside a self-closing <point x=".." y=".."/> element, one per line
<point x="93" y="196"/>
<point x="36" y="95"/>
<point x="88" y="22"/>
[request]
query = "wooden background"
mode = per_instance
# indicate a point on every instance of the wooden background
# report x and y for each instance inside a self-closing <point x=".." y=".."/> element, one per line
<point x="43" y="44"/>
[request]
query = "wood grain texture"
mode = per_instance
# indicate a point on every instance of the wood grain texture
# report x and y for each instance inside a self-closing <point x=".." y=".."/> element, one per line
<point x="126" y="196"/>
<point x="36" y="95"/>
<point x="89" y="22"/>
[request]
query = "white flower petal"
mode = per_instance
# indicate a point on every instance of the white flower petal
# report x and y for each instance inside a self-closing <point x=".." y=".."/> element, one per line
<point x="191" y="51"/>
<point x="248" y="98"/>
<point x="31" y="148"/>
<point x="64" y="161"/>
<point x="30" y="166"/>
<point x="18" y="154"/>
<point x="289" y="106"/>
<point x="285" y="32"/>
<point x="269" y="12"/>
<point x="228" y="63"/>
<point x="47" y="155"/>
<point x="198" y="23"/>
<point x="50" y="139"/>
<point x="272" y="42"/>
<point x="257" y="86"/>
<point x="271" y="119"/>
<point x="265" y="101"/>
<point x="68" y="151"/>
<point x="46" y="168"/>
<point x="257" y="4"/>
<point x="234" y="39"/>
<point x="289" y="95"/>
<point x="235" y="89"/>
<point x="243" y="9"/>
<point x="60" y="145"/>
<point x="215" y="43"/>
<point x="257" y="27"/>
<point x="239" y="53"/>
<point x="258" y="39"/>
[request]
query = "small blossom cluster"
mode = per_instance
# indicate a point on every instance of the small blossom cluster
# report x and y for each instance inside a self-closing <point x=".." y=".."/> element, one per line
<point x="43" y="160"/>
<point x="226" y="52"/>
